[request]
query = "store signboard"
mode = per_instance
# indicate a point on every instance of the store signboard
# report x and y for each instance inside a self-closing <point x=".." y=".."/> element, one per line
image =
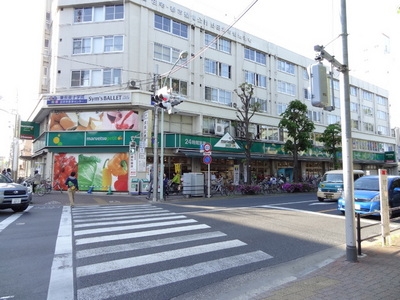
<point x="91" y="138"/>
<point x="111" y="98"/>
<point x="29" y="130"/>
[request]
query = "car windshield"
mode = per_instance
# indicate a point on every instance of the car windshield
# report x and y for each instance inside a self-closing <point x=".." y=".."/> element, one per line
<point x="366" y="183"/>
<point x="333" y="178"/>
<point x="5" y="179"/>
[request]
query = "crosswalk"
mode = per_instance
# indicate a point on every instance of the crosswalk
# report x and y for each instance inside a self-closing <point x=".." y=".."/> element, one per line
<point x="129" y="252"/>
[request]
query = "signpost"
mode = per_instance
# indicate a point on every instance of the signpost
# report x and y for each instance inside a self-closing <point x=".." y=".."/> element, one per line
<point x="206" y="149"/>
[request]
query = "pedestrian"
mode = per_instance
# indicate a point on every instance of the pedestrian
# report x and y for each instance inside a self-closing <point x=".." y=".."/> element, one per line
<point x="72" y="183"/>
<point x="36" y="180"/>
<point x="150" y="187"/>
<point x="9" y="174"/>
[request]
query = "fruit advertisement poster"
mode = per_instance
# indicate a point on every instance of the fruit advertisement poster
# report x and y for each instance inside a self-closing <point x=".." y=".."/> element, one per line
<point x="101" y="171"/>
<point x="92" y="120"/>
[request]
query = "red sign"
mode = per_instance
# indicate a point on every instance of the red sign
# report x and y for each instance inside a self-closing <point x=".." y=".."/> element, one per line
<point x="207" y="159"/>
<point x="207" y="147"/>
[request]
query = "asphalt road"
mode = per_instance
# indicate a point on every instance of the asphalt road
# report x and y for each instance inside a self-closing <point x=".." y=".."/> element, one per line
<point x="124" y="247"/>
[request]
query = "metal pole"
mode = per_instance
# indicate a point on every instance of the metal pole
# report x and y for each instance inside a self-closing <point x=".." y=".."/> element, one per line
<point x="155" y="153"/>
<point x="351" y="249"/>
<point x="162" y="156"/>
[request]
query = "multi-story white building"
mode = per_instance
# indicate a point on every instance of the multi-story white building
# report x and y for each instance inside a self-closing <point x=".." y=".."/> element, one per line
<point x="104" y="59"/>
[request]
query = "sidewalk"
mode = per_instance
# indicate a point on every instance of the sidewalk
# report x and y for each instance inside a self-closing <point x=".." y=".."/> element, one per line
<point x="376" y="275"/>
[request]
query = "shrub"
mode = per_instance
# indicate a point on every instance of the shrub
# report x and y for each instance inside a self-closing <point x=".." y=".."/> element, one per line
<point x="249" y="189"/>
<point x="297" y="187"/>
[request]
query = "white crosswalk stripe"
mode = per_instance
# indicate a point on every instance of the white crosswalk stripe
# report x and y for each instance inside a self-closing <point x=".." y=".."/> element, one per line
<point x="126" y="286"/>
<point x="122" y="242"/>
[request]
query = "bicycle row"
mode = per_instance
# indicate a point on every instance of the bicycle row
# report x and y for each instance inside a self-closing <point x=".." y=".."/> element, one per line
<point x="45" y="186"/>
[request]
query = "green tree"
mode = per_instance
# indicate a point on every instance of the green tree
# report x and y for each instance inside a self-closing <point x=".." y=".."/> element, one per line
<point x="299" y="128"/>
<point x="332" y="140"/>
<point x="244" y="112"/>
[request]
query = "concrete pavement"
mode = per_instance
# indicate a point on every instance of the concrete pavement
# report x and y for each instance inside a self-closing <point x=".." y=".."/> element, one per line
<point x="325" y="275"/>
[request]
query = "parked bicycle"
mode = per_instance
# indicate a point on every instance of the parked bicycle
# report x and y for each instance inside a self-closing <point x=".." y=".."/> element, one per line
<point x="45" y="187"/>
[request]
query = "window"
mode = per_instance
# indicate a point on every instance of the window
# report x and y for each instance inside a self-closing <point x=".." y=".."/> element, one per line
<point x="256" y="56"/>
<point x="355" y="124"/>
<point x="114" y="12"/>
<point x="382" y="100"/>
<point x="80" y="78"/>
<point x="368" y="127"/>
<point x="281" y="108"/>
<point x="171" y="26"/>
<point x="382" y="115"/>
<point x="167" y="54"/>
<point x="263" y="104"/>
<point x="269" y="133"/>
<point x="105" y="44"/>
<point x="98" y="14"/>
<point x="220" y="43"/>
<point x="99" y="77"/>
<point x="217" y="68"/>
<point x="307" y="94"/>
<point x="332" y="119"/>
<point x="178" y="86"/>
<point x="256" y="79"/>
<point x="314" y="116"/>
<point x="286" y="88"/>
<point x="208" y="125"/>
<point x="336" y="102"/>
<point x="305" y="75"/>
<point x="336" y="84"/>
<point x="218" y="95"/>
<point x="82" y="15"/>
<point x="367" y="95"/>
<point x="286" y="67"/>
<point x="354" y="107"/>
<point x="113" y="43"/>
<point x="353" y="91"/>
<point x="367" y="110"/>
<point x="383" y="130"/>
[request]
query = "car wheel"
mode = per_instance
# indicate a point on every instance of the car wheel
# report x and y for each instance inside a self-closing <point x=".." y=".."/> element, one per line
<point x="320" y="199"/>
<point x="20" y="208"/>
<point x="343" y="212"/>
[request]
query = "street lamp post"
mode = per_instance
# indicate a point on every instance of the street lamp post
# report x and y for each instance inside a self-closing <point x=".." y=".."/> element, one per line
<point x="182" y="55"/>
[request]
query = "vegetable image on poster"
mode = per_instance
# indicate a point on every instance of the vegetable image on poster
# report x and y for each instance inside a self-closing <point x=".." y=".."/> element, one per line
<point x="64" y="164"/>
<point x="102" y="171"/>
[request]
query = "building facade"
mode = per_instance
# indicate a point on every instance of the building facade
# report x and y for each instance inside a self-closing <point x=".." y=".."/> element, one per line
<point x="103" y="60"/>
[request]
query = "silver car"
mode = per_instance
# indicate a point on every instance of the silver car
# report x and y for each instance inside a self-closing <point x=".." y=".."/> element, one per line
<point x="14" y="195"/>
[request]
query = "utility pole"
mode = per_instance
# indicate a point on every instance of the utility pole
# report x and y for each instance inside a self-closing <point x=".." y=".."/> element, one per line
<point x="347" y="142"/>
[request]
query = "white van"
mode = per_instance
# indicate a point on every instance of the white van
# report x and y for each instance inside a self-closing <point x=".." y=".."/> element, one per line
<point x="331" y="185"/>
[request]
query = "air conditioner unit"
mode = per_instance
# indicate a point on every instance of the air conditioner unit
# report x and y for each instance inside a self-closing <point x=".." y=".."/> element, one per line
<point x="132" y="85"/>
<point x="219" y="129"/>
<point x="234" y="105"/>
<point x="380" y="132"/>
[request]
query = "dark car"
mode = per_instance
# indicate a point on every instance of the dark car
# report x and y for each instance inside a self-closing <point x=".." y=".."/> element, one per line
<point x="367" y="194"/>
<point x="14" y="195"/>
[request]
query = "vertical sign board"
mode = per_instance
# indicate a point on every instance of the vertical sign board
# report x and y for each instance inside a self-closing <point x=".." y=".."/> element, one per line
<point x="236" y="174"/>
<point x="384" y="199"/>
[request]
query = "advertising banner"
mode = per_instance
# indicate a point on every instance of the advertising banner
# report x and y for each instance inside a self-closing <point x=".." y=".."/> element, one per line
<point x="101" y="171"/>
<point x="94" y="120"/>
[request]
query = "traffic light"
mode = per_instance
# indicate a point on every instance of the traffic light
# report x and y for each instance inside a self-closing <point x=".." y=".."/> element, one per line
<point x="165" y="100"/>
<point x="320" y="93"/>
